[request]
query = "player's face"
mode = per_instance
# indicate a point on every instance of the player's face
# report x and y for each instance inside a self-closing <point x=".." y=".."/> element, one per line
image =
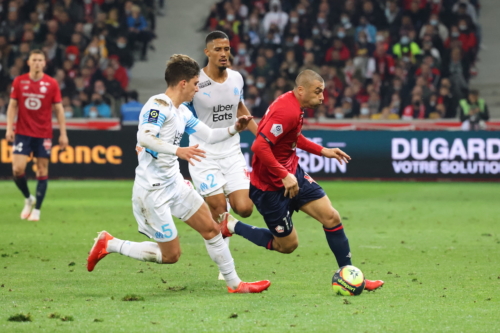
<point x="191" y="88"/>
<point x="36" y="62"/>
<point x="313" y="95"/>
<point x="218" y="52"/>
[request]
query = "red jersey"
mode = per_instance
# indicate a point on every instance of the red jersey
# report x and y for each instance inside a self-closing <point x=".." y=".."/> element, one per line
<point x="34" y="100"/>
<point x="275" y="157"/>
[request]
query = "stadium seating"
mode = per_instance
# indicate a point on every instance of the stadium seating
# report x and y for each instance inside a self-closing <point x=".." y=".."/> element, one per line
<point x="90" y="47"/>
<point x="381" y="59"/>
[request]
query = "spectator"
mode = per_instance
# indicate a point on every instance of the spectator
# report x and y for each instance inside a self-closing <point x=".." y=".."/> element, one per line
<point x="74" y="9"/>
<point x="384" y="63"/>
<point x="100" y="89"/>
<point x="130" y="111"/>
<point x="113" y="87"/>
<point x="54" y="50"/>
<point x="124" y="53"/>
<point x="69" y="110"/>
<point x="369" y="30"/>
<point x="473" y="112"/>
<point x="138" y="30"/>
<point x="393" y="16"/>
<point x="120" y="72"/>
<point x="66" y="85"/>
<point x="276" y="16"/>
<point x="438" y="28"/>
<point x="445" y="98"/>
<point x="416" y="110"/>
<point x="12" y="28"/>
<point x="97" y="108"/>
<point x="406" y="50"/>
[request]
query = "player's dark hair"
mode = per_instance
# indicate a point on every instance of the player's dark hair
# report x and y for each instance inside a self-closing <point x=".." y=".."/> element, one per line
<point x="180" y="67"/>
<point x="37" y="51"/>
<point x="217" y="34"/>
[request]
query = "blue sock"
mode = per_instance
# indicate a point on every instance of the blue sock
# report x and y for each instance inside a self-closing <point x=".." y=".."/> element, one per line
<point x="22" y="185"/>
<point x="259" y="236"/>
<point x="339" y="244"/>
<point x="41" y="188"/>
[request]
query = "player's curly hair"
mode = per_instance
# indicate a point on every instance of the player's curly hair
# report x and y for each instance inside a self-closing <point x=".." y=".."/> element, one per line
<point x="180" y="67"/>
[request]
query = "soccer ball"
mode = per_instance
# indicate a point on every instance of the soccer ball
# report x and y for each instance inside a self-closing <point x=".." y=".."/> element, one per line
<point x="348" y="281"/>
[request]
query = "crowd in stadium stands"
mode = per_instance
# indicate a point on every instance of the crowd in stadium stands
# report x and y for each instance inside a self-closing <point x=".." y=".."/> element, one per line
<point x="381" y="59"/>
<point x="89" y="47"/>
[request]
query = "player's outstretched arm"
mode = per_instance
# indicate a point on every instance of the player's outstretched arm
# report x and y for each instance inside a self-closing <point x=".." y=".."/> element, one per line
<point x="11" y="115"/>
<point x="63" y="136"/>
<point x="209" y="135"/>
<point x="146" y="137"/>
<point x="337" y="154"/>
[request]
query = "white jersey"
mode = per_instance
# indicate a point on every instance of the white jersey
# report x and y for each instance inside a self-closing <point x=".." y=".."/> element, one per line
<point x="156" y="170"/>
<point x="216" y="104"/>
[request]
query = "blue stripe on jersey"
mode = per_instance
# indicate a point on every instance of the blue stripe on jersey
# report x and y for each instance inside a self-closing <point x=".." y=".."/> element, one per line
<point x="190" y="125"/>
<point x="159" y="123"/>
<point x="190" y="106"/>
<point x="152" y="153"/>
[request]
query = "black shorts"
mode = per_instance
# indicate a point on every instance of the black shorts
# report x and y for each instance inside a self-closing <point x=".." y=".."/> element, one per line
<point x="25" y="145"/>
<point x="277" y="209"/>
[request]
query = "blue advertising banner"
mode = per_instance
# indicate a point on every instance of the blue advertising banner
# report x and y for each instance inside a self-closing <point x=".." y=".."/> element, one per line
<point x="375" y="155"/>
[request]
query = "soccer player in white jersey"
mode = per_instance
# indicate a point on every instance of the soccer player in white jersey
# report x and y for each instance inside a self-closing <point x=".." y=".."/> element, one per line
<point x="219" y="101"/>
<point x="159" y="188"/>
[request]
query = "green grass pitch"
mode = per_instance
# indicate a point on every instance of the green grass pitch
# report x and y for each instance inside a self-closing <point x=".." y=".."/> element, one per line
<point x="437" y="246"/>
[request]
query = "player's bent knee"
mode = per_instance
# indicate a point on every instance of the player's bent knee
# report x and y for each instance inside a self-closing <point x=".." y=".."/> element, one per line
<point x="332" y="219"/>
<point x="288" y="247"/>
<point x="17" y="171"/>
<point x="244" y="211"/>
<point x="171" y="258"/>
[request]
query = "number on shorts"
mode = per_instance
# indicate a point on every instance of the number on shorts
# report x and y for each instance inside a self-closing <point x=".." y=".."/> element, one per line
<point x="287" y="220"/>
<point x="211" y="179"/>
<point x="167" y="231"/>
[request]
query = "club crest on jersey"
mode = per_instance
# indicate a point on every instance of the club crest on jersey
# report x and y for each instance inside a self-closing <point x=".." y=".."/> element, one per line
<point x="204" y="84"/>
<point x="277" y="129"/>
<point x="43" y="89"/>
<point x="47" y="144"/>
<point x="279" y="229"/>
<point x="309" y="178"/>
<point x="236" y="91"/>
<point x="153" y="116"/>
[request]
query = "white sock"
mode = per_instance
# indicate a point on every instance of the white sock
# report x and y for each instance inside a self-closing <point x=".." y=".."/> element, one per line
<point x="144" y="251"/>
<point x="231" y="223"/>
<point x="220" y="254"/>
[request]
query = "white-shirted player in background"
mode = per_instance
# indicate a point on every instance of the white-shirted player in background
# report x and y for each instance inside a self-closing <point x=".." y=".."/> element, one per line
<point x="159" y="188"/>
<point x="218" y="103"/>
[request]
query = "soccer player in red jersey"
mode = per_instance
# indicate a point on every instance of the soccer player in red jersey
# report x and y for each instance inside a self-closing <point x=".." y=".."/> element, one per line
<point x="31" y="99"/>
<point x="278" y="185"/>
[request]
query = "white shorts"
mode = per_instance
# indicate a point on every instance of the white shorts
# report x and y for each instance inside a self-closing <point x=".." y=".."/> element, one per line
<point x="153" y="209"/>
<point x="225" y="175"/>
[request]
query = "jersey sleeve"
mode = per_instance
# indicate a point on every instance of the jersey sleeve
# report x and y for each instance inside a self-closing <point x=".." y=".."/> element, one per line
<point x="191" y="123"/>
<point x="14" y="91"/>
<point x="57" y="93"/>
<point x="190" y="107"/>
<point x="278" y="122"/>
<point x="154" y="114"/>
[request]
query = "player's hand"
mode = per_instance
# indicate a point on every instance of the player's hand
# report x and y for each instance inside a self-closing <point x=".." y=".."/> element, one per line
<point x="9" y="135"/>
<point x="336" y="153"/>
<point x="291" y="186"/>
<point x="189" y="153"/>
<point x="242" y="122"/>
<point x="63" y="141"/>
